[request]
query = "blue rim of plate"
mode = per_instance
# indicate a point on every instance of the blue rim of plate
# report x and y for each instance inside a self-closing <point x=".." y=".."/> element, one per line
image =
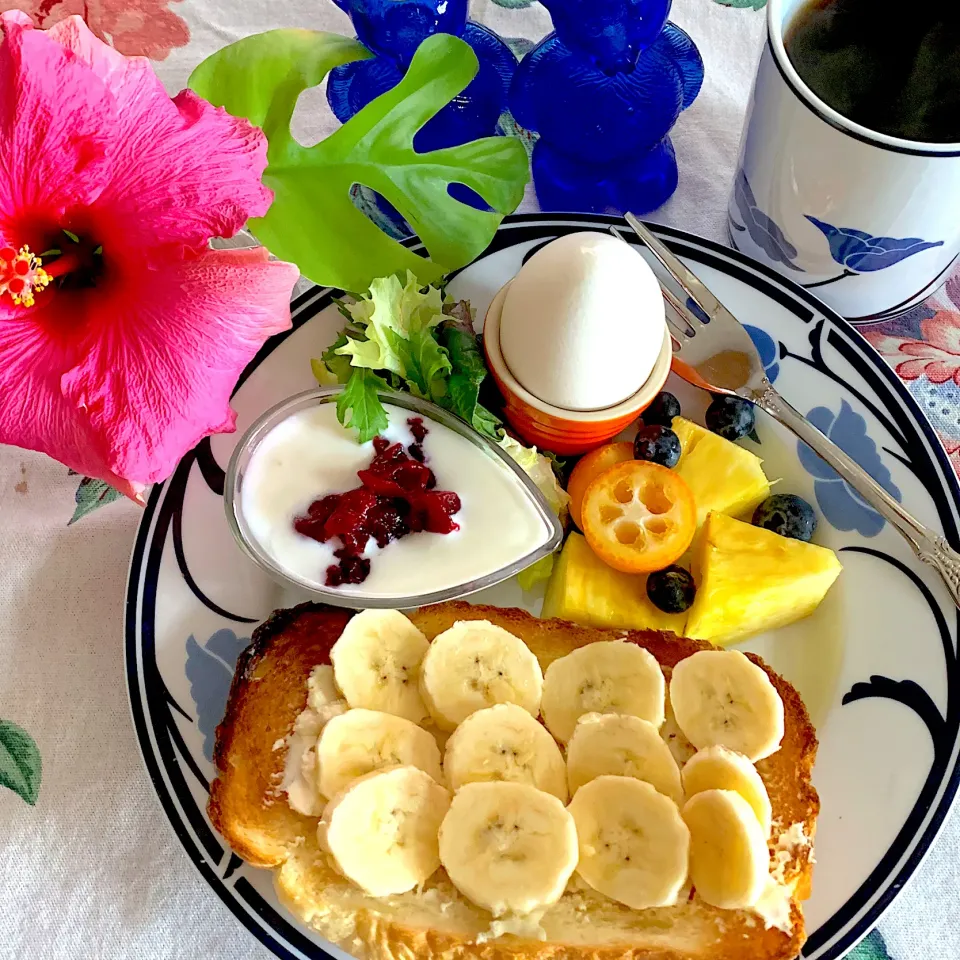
<point x="159" y="740"/>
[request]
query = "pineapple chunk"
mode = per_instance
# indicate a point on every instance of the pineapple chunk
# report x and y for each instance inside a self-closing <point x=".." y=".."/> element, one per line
<point x="723" y="477"/>
<point x="585" y="590"/>
<point x="750" y="580"/>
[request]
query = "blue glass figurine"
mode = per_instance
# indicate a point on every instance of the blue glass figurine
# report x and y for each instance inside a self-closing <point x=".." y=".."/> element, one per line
<point x="393" y="29"/>
<point x="603" y="92"/>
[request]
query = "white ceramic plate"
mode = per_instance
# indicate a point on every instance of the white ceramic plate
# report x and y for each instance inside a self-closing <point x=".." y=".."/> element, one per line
<point x="876" y="665"/>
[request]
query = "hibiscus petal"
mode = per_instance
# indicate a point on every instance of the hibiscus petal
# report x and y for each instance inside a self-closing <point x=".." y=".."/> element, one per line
<point x="158" y="367"/>
<point x="182" y="170"/>
<point x="54" y="133"/>
<point x="34" y="414"/>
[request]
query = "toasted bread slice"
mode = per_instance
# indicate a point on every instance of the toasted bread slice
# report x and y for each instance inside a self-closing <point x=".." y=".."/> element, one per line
<point x="269" y="691"/>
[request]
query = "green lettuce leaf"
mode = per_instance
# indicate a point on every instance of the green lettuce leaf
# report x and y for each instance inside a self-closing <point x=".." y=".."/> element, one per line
<point x="313" y="221"/>
<point x="536" y="573"/>
<point x="539" y="468"/>
<point x="389" y="317"/>
<point x="324" y="375"/>
<point x="360" y="407"/>
<point x="469" y="369"/>
<point x="425" y="364"/>
<point x="487" y="423"/>
<point x="335" y="365"/>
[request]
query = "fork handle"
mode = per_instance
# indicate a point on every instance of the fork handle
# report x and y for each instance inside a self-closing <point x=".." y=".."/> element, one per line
<point x="930" y="547"/>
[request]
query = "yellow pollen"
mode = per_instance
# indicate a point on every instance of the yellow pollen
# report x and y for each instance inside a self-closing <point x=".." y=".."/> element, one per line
<point x="21" y="275"/>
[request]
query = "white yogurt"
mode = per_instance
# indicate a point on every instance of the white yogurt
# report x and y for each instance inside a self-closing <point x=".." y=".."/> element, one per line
<point x="309" y="455"/>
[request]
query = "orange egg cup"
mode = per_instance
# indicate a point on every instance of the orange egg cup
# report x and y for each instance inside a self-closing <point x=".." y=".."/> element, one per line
<point x="555" y="428"/>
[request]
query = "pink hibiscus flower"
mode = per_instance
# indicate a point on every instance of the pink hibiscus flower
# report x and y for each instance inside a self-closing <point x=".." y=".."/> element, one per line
<point x="138" y="330"/>
<point x="937" y="355"/>
<point x="145" y="28"/>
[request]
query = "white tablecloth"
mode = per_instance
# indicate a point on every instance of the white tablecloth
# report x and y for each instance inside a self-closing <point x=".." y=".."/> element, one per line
<point x="94" y="870"/>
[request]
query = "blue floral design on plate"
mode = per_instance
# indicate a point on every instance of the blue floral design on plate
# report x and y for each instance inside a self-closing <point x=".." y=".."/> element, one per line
<point x="767" y="348"/>
<point x="762" y="230"/>
<point x="861" y="253"/>
<point x="209" y="669"/>
<point x="840" y="504"/>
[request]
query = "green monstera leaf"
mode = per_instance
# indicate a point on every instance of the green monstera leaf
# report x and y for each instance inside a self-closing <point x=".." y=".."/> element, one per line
<point x="313" y="221"/>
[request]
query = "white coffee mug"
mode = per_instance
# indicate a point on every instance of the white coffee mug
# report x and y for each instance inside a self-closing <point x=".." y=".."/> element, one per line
<point x="868" y="222"/>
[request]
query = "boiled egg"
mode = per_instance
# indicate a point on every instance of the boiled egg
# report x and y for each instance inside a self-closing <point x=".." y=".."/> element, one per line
<point x="583" y="322"/>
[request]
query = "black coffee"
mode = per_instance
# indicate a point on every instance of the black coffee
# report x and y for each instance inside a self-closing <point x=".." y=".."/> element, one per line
<point x="890" y="65"/>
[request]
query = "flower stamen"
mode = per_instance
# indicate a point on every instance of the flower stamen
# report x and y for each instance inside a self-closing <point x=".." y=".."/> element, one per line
<point x="21" y="275"/>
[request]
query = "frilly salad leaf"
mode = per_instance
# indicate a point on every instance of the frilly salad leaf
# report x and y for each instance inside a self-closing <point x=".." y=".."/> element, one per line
<point x="360" y="407"/>
<point x="312" y="220"/>
<point x="540" y="470"/>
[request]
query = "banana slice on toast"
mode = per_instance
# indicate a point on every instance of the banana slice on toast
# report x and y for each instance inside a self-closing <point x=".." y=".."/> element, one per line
<point x="359" y="742"/>
<point x="376" y="663"/>
<point x="508" y="847"/>
<point x="381" y="832"/>
<point x="504" y="742"/>
<point x="621" y="745"/>
<point x="721" y="697"/>
<point x="729" y="860"/>
<point x="634" y="846"/>
<point x="717" y="768"/>
<point x="609" y="676"/>
<point x="476" y="664"/>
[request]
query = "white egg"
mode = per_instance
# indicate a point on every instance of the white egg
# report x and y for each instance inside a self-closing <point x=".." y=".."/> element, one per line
<point x="582" y="322"/>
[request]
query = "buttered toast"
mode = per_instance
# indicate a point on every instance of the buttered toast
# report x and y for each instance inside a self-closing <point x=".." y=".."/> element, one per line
<point x="250" y="810"/>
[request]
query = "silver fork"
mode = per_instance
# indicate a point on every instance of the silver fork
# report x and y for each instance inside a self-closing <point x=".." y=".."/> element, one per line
<point x="720" y="357"/>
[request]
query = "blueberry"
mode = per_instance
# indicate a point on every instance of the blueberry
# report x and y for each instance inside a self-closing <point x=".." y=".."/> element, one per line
<point x="788" y="515"/>
<point x="663" y="408"/>
<point x="658" y="445"/>
<point x="731" y="417"/>
<point x="671" y="589"/>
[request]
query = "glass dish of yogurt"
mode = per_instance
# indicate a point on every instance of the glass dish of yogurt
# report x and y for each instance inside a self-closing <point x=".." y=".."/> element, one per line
<point x="428" y="512"/>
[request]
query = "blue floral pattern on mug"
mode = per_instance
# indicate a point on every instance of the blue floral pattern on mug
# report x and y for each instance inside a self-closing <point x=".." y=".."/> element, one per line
<point x="762" y="230"/>
<point x="843" y="507"/>
<point x="209" y="669"/>
<point x="861" y="253"/>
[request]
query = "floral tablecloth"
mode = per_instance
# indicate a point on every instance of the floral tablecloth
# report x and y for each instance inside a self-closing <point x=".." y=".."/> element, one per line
<point x="92" y="870"/>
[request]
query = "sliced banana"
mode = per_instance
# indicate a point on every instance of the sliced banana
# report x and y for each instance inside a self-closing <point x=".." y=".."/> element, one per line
<point x="729" y="861"/>
<point x="610" y="676"/>
<point x="718" y="768"/>
<point x="476" y="664"/>
<point x="634" y="846"/>
<point x="721" y="697"/>
<point x="508" y="847"/>
<point x="361" y="741"/>
<point x="382" y="830"/>
<point x="377" y="661"/>
<point x="624" y="746"/>
<point x="504" y="742"/>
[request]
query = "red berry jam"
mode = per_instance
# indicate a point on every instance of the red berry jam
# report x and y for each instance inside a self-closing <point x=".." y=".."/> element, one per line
<point x="397" y="496"/>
